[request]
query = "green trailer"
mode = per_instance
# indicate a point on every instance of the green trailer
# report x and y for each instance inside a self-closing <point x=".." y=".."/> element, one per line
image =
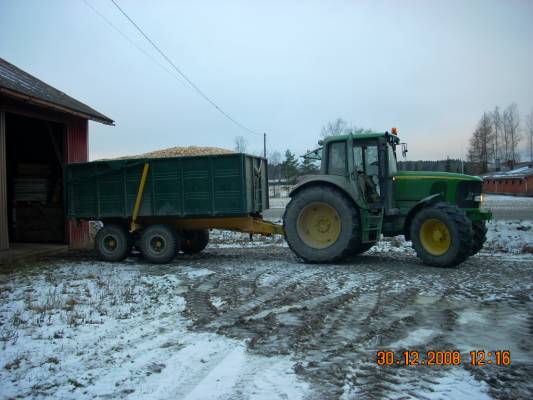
<point x="163" y="205"/>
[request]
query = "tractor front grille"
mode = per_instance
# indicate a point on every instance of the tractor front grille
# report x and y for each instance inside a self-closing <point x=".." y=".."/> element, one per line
<point x="467" y="192"/>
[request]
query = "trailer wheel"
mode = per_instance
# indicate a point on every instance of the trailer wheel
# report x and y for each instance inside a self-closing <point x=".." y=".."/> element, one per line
<point x="159" y="243"/>
<point x="479" y="236"/>
<point x="113" y="242"/>
<point x="193" y="242"/>
<point x="321" y="224"/>
<point x="442" y="235"/>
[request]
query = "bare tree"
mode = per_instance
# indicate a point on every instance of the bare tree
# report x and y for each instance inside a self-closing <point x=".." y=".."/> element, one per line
<point x="340" y="127"/>
<point x="274" y="157"/>
<point x="335" y="128"/>
<point x="481" y="150"/>
<point x="511" y="133"/>
<point x="529" y="133"/>
<point x="240" y="144"/>
<point x="497" y="128"/>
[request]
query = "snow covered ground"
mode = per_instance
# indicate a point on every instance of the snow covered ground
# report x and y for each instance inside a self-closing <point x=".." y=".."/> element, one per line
<point x="87" y="329"/>
<point x="509" y="207"/>
<point x="513" y="237"/>
<point x="247" y="320"/>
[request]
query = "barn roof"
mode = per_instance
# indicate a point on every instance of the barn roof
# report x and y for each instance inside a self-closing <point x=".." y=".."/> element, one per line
<point x="514" y="173"/>
<point x="17" y="83"/>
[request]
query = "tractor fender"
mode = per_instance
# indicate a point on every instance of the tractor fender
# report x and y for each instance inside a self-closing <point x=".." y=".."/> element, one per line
<point x="337" y="182"/>
<point x="425" y="202"/>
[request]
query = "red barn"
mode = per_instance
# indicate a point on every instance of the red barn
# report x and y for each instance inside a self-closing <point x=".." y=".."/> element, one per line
<point x="517" y="181"/>
<point x="41" y="128"/>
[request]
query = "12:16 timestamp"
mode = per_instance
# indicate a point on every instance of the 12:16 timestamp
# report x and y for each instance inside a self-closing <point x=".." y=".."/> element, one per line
<point x="432" y="358"/>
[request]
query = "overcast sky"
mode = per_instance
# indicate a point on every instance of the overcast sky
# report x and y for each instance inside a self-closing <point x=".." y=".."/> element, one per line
<point x="281" y="67"/>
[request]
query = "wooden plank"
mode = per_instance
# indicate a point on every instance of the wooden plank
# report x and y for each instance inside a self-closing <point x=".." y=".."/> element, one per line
<point x="4" y="233"/>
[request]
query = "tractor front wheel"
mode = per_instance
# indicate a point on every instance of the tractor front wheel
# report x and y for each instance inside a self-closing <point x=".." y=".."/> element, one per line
<point x="442" y="235"/>
<point x="479" y="236"/>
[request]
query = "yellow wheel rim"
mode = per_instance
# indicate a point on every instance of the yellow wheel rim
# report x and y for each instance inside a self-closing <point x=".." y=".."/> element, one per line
<point x="435" y="237"/>
<point x="319" y="225"/>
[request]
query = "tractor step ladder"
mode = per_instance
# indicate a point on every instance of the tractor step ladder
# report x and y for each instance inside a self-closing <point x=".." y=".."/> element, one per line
<point x="371" y="224"/>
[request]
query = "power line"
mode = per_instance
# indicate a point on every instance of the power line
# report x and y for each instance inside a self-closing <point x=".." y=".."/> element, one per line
<point x="133" y="43"/>
<point x="190" y="82"/>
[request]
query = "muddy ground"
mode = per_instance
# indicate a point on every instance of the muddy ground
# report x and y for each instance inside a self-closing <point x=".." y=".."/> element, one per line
<point x="328" y="320"/>
<point x="332" y="319"/>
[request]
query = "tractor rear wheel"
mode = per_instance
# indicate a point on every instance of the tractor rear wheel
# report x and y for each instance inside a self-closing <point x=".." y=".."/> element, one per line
<point x="479" y="236"/>
<point x="321" y="224"/>
<point x="194" y="242"/>
<point x="159" y="243"/>
<point x="113" y="242"/>
<point x="442" y="235"/>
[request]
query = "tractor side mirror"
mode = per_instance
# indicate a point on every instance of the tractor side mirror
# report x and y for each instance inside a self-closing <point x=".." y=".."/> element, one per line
<point x="404" y="149"/>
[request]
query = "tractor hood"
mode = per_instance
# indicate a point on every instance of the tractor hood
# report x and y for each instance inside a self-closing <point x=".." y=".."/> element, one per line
<point x="410" y="187"/>
<point x="415" y="175"/>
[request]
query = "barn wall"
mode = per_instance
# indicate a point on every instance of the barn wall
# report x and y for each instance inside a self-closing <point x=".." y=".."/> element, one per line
<point x="78" y="151"/>
<point x="529" y="185"/>
<point x="4" y="234"/>
<point x="507" y="185"/>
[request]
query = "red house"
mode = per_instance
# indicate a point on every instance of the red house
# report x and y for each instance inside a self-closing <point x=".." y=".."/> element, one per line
<point x="517" y="181"/>
<point x="41" y="128"/>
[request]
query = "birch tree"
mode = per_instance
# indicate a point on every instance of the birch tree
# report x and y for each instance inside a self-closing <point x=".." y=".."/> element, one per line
<point x="529" y="134"/>
<point x="497" y="128"/>
<point x="511" y="133"/>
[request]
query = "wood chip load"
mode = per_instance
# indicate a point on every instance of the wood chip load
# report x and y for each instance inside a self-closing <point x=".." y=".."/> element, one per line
<point x="181" y="152"/>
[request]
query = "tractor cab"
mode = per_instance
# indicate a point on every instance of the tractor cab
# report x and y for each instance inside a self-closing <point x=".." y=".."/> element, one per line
<point x="367" y="162"/>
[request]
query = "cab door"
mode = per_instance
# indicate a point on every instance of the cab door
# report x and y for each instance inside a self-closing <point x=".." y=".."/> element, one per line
<point x="366" y="171"/>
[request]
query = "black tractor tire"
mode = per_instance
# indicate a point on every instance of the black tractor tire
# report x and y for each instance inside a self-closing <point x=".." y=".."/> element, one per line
<point x="113" y="242"/>
<point x="193" y="242"/>
<point x="459" y="229"/>
<point x="479" y="236"/>
<point x="159" y="243"/>
<point x="361" y="248"/>
<point x="348" y="215"/>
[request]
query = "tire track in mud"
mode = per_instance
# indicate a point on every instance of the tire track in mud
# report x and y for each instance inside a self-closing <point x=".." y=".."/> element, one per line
<point x="333" y="318"/>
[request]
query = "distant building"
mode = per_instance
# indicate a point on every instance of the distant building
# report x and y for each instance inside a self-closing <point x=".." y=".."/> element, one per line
<point x="41" y="129"/>
<point x="518" y="181"/>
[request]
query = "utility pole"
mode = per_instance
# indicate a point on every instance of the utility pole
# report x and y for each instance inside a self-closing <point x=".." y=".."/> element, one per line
<point x="264" y="145"/>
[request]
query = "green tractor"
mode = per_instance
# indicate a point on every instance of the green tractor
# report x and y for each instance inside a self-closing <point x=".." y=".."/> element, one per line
<point x="360" y="195"/>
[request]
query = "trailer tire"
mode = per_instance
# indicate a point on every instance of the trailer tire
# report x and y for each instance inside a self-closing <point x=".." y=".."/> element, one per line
<point x="479" y="236"/>
<point x="442" y="235"/>
<point x="113" y="242"/>
<point x="321" y="224"/>
<point x="159" y="243"/>
<point x="194" y="241"/>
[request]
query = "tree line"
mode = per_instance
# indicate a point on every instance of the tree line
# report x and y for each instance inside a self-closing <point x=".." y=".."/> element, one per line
<point x="495" y="141"/>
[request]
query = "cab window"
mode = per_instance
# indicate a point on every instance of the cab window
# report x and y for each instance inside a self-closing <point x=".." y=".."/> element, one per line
<point x="337" y="158"/>
<point x="393" y="167"/>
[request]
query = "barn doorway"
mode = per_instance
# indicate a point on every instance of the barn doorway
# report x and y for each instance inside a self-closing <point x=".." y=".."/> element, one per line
<point x="35" y="152"/>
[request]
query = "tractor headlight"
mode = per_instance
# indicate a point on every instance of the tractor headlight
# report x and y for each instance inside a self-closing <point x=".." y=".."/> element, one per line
<point x="478" y="198"/>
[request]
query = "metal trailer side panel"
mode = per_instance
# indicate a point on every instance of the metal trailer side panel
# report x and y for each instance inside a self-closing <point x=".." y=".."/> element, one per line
<point x="202" y="186"/>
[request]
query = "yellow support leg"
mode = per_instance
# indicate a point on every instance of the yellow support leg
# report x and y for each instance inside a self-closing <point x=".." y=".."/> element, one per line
<point x="138" y="199"/>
